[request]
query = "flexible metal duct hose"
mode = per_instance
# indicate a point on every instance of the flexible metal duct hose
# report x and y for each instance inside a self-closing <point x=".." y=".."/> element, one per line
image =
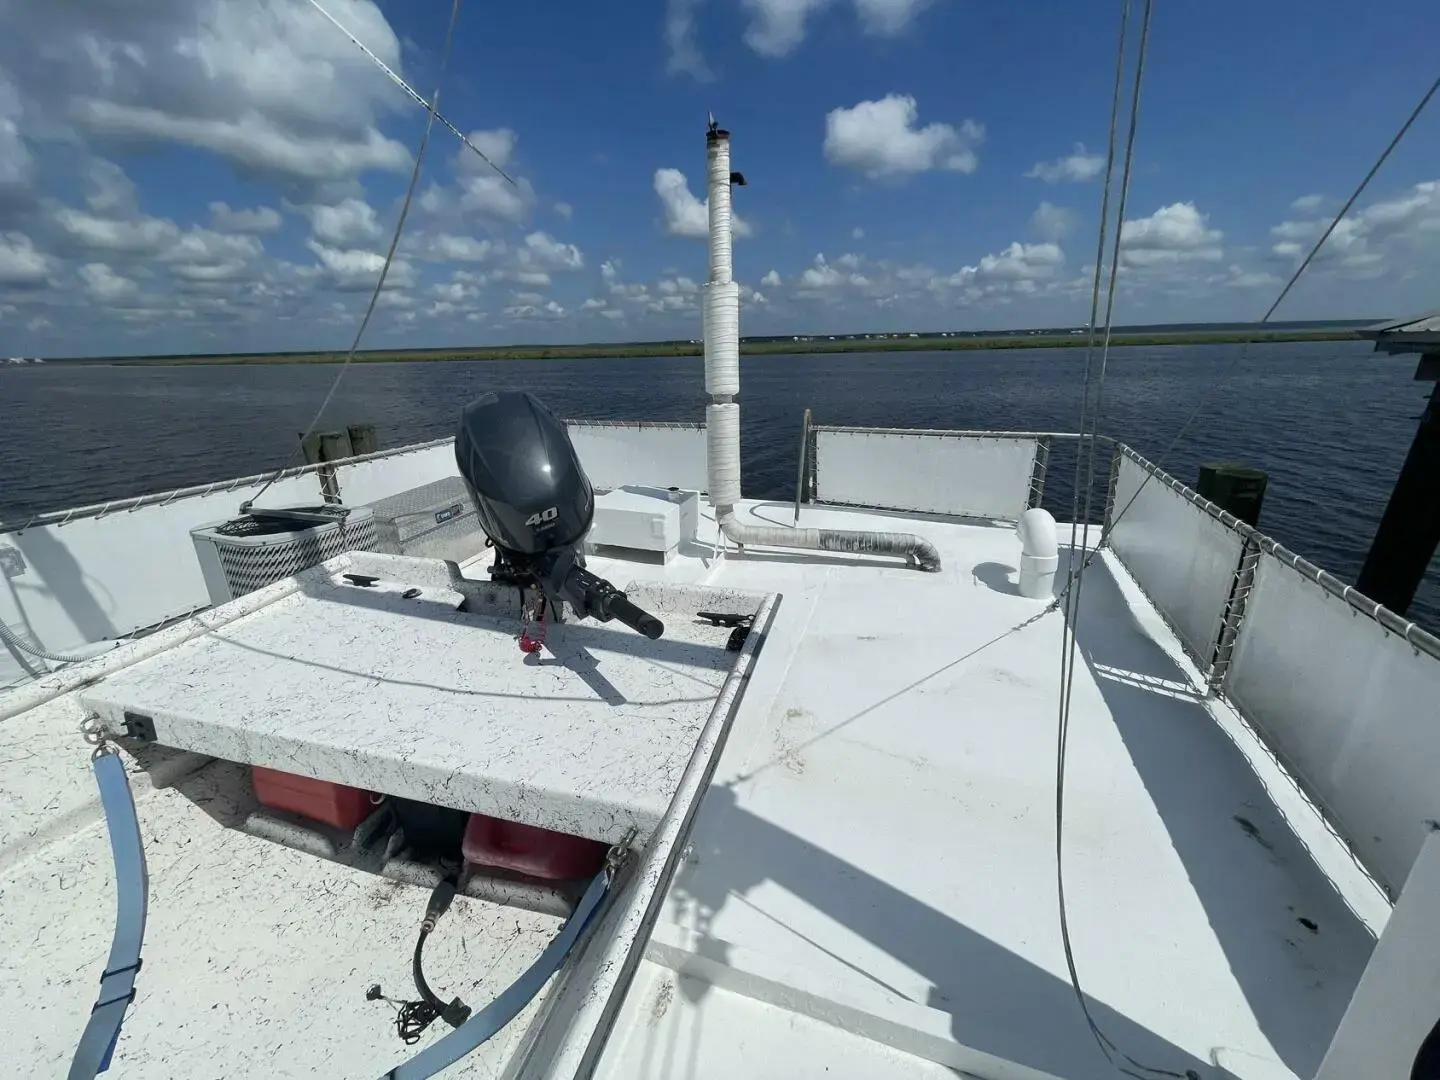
<point x="14" y="641"/>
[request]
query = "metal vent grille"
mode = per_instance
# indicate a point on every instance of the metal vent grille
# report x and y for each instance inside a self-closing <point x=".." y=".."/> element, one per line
<point x="267" y="526"/>
<point x="254" y="553"/>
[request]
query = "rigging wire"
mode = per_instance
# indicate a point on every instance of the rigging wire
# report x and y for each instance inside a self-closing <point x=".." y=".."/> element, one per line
<point x="412" y="92"/>
<point x="385" y="266"/>
<point x="1099" y="257"/>
<point x="1071" y="598"/>
<point x="1071" y="593"/>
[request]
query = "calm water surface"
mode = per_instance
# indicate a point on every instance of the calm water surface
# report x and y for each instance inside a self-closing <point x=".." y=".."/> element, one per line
<point x="1330" y="422"/>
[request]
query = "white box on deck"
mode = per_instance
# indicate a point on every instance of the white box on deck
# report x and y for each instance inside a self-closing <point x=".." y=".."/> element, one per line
<point x="645" y="519"/>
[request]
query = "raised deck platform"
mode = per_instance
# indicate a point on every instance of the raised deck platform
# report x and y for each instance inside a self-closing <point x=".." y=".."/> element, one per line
<point x="876" y="852"/>
<point x="395" y="688"/>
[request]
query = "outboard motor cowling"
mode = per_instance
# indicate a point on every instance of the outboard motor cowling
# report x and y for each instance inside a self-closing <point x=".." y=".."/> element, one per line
<point x="535" y="503"/>
<point x="531" y="495"/>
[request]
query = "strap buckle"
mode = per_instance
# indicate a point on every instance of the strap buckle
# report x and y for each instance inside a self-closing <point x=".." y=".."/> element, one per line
<point x="619" y="854"/>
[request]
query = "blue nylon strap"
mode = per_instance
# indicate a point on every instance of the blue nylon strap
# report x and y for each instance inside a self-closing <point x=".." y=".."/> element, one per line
<point x="507" y="1005"/>
<point x="117" y="983"/>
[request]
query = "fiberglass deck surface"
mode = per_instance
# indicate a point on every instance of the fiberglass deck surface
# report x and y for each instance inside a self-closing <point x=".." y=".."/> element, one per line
<point x="881" y="832"/>
<point x="410" y="697"/>
<point x="257" y="957"/>
<point x="876" y="852"/>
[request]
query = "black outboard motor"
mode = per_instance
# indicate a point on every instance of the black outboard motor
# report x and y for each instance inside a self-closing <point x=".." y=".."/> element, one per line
<point x="535" y="503"/>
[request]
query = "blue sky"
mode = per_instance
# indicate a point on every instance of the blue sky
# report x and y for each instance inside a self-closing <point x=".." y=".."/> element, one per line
<point x="222" y="175"/>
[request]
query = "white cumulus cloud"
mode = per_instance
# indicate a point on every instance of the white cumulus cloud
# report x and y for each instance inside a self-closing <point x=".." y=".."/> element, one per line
<point x="1051" y="222"/>
<point x="356" y="269"/>
<point x="1400" y="230"/>
<point x="250" y="141"/>
<point x="497" y="145"/>
<point x="449" y="247"/>
<point x="541" y="251"/>
<point x="880" y="138"/>
<point x="1176" y="233"/>
<point x="1078" y="165"/>
<point x="20" y="262"/>
<point x="1018" y="262"/>
<point x="261" y="219"/>
<point x="271" y="85"/>
<point x="681" y="41"/>
<point x="778" y="26"/>
<point x="350" y="223"/>
<point x="492" y="196"/>
<point x="887" y="18"/>
<point x="105" y="285"/>
<point x="685" y="215"/>
<point x="479" y="192"/>
<point x="17" y="164"/>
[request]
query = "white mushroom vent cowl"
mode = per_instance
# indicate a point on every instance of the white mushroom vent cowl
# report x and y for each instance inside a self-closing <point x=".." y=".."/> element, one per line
<point x="1039" y="554"/>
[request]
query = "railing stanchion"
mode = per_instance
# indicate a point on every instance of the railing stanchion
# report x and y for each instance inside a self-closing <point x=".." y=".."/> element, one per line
<point x="1240" y="590"/>
<point x="800" y="475"/>
<point x="1042" y="464"/>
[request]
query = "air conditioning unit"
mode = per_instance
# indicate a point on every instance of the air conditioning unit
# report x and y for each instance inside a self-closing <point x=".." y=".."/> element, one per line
<point x="248" y="553"/>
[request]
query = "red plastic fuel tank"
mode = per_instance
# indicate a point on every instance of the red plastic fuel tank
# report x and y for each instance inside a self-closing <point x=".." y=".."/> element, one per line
<point x="319" y="800"/>
<point x="525" y="849"/>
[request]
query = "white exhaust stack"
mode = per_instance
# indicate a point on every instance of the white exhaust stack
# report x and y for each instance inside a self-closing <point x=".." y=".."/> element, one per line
<point x="722" y="383"/>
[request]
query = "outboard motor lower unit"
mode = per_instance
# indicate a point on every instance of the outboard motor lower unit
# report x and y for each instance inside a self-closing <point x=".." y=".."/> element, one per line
<point x="535" y="503"/>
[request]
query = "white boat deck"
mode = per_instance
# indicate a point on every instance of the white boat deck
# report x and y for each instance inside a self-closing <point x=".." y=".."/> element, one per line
<point x="257" y="957"/>
<point x="876" y="853"/>
<point x="879" y="844"/>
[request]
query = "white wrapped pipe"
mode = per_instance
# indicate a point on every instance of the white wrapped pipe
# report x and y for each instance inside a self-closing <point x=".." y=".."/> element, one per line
<point x="722" y="453"/>
<point x="721" y="319"/>
<point x="722" y="339"/>
<point x="717" y="193"/>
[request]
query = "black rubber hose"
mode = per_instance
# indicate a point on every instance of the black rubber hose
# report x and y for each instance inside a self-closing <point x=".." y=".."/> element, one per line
<point x="417" y="968"/>
<point x="455" y="1012"/>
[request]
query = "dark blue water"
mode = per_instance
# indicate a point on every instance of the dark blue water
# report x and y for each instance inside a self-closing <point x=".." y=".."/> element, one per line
<point x="1330" y="422"/>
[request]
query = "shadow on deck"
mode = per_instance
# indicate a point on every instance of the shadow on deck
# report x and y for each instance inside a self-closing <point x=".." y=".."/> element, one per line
<point x="1271" y="909"/>
<point x="1227" y="829"/>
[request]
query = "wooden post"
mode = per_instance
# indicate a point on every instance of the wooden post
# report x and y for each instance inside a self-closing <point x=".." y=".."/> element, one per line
<point x="1233" y="487"/>
<point x="334" y="445"/>
<point x="310" y="446"/>
<point x="322" y="447"/>
<point x="1410" y="530"/>
<point x="363" y="439"/>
